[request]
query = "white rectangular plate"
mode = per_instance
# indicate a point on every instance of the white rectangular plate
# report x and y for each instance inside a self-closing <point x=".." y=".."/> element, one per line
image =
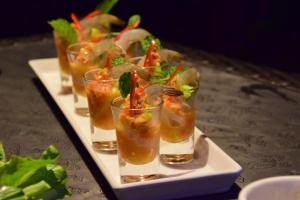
<point x="213" y="171"/>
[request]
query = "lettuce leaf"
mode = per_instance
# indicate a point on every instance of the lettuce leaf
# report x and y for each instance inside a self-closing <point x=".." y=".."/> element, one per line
<point x="27" y="178"/>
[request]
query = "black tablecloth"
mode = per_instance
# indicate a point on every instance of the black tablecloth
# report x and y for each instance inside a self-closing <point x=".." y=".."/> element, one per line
<point x="253" y="120"/>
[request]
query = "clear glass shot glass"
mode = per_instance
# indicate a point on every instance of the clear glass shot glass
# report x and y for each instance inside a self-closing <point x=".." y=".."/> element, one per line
<point x="138" y="140"/>
<point x="177" y="129"/>
<point x="100" y="92"/>
<point x="65" y="71"/>
<point x="81" y="59"/>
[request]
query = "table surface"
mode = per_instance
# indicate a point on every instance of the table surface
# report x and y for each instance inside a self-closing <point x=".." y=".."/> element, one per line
<point x="250" y="112"/>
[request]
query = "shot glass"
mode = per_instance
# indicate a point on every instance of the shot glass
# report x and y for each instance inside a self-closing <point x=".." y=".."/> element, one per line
<point x="100" y="92"/>
<point x="177" y="129"/>
<point x="65" y="71"/>
<point x="82" y="59"/>
<point x="138" y="140"/>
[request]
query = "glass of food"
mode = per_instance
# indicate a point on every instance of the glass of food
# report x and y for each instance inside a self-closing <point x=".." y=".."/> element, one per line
<point x="137" y="121"/>
<point x="101" y="88"/>
<point x="64" y="35"/>
<point x="178" y="117"/>
<point x="82" y="59"/>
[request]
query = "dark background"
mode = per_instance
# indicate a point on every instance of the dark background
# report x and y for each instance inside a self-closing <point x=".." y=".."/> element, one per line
<point x="264" y="32"/>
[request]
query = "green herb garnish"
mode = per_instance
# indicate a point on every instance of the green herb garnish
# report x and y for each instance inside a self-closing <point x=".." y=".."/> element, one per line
<point x="187" y="91"/>
<point x="27" y="178"/>
<point x="147" y="41"/>
<point x="64" y="30"/>
<point x="106" y="5"/>
<point x="124" y="84"/>
<point x="118" y="61"/>
<point x="133" y="20"/>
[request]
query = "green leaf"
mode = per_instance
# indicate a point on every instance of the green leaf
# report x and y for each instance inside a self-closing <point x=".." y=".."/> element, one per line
<point x="35" y="190"/>
<point x="51" y="153"/>
<point x="187" y="91"/>
<point x="124" y="84"/>
<point x="2" y="155"/>
<point x="64" y="30"/>
<point x="9" y="192"/>
<point x="106" y="5"/>
<point x="147" y="41"/>
<point x="118" y="61"/>
<point x="134" y="19"/>
<point x="18" y="170"/>
<point x="37" y="179"/>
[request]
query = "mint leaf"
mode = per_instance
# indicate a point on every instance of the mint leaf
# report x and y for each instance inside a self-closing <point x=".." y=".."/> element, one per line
<point x="118" y="61"/>
<point x="147" y="41"/>
<point x="106" y="5"/>
<point x="64" y="30"/>
<point x="124" y="84"/>
<point x="134" y="19"/>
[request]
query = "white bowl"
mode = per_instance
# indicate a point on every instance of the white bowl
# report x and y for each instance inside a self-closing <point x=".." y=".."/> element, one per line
<point x="275" y="188"/>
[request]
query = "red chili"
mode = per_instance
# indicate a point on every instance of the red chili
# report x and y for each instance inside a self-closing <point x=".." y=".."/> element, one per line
<point x="148" y="59"/>
<point x="178" y="68"/>
<point x="77" y="26"/>
<point x="133" y="80"/>
<point x="109" y="61"/>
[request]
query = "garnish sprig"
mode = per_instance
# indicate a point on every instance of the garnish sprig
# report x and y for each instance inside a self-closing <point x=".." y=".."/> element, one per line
<point x="178" y="69"/>
<point x="64" y="30"/>
<point x="133" y="22"/>
<point x="106" y="5"/>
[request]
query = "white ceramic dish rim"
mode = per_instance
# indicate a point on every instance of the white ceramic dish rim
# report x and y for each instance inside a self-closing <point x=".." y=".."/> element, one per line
<point x="246" y="190"/>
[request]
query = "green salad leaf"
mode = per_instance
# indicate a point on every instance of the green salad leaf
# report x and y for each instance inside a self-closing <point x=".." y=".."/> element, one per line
<point x="64" y="30"/>
<point x="124" y="84"/>
<point x="147" y="41"/>
<point x="105" y="6"/>
<point x="27" y="178"/>
<point x="118" y="61"/>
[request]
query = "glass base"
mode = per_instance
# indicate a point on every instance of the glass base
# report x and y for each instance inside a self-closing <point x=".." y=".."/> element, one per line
<point x="103" y="140"/>
<point x="131" y="178"/>
<point x="66" y="83"/>
<point x="174" y="159"/>
<point x="177" y="153"/>
<point x="82" y="111"/>
<point x="80" y="104"/>
<point x="66" y="90"/>
<point x="105" y="146"/>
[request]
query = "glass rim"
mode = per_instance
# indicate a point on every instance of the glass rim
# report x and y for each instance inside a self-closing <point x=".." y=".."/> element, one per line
<point x="69" y="48"/>
<point x="95" y="70"/>
<point x="157" y="107"/>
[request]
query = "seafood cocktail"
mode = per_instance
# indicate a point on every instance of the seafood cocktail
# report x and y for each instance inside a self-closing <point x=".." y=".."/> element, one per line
<point x="137" y="120"/>
<point x="89" y="28"/>
<point x="101" y="89"/>
<point x="178" y="117"/>
<point x="64" y="35"/>
<point x="82" y="59"/>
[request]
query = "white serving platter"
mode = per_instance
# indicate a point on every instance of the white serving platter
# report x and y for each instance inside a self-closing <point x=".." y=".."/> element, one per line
<point x="213" y="171"/>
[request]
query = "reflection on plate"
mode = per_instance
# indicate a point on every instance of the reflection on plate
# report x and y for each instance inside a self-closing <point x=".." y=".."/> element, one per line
<point x="213" y="171"/>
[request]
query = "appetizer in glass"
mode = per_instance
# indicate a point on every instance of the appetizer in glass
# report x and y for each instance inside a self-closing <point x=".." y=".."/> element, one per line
<point x="137" y="120"/>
